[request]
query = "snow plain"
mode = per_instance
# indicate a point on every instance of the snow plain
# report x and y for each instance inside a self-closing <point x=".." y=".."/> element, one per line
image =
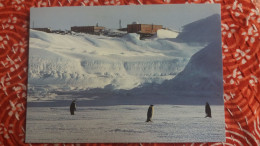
<point x="125" y="124"/>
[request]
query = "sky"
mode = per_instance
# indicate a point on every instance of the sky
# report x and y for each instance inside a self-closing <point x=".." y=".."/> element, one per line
<point x="172" y="16"/>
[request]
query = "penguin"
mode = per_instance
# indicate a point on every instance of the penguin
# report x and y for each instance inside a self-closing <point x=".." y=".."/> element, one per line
<point x="149" y="113"/>
<point x="72" y="107"/>
<point x="207" y="110"/>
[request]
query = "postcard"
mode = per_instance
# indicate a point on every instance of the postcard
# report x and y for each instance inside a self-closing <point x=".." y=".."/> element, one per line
<point x="125" y="74"/>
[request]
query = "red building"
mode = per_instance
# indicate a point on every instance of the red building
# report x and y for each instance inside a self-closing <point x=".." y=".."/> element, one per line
<point x="145" y="30"/>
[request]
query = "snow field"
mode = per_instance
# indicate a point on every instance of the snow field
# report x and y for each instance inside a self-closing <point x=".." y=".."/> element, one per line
<point x="125" y="123"/>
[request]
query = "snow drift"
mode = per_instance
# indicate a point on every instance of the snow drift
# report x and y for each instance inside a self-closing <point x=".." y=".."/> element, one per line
<point x="165" y="33"/>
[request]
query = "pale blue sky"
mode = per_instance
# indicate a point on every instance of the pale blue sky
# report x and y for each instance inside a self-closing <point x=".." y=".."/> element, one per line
<point x="173" y="16"/>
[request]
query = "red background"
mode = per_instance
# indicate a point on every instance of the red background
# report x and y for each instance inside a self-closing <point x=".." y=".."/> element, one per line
<point x="241" y="63"/>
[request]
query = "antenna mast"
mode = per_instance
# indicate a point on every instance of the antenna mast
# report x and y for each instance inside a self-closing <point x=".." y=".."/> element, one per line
<point x="120" y="25"/>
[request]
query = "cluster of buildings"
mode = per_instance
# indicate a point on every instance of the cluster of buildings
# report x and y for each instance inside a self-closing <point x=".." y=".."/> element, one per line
<point x="88" y="29"/>
<point x="145" y="30"/>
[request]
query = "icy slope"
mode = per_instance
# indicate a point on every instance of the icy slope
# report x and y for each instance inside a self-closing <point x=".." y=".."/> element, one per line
<point x="83" y="61"/>
<point x="204" y="30"/>
<point x="203" y="72"/>
<point x="201" y="79"/>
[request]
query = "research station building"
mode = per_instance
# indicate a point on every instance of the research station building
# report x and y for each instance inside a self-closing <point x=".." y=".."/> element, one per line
<point x="145" y="30"/>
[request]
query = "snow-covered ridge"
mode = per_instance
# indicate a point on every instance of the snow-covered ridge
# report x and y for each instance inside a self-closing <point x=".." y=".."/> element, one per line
<point x="89" y="61"/>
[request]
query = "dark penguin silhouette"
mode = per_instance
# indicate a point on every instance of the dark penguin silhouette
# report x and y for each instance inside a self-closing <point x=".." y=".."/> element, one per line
<point x="72" y="107"/>
<point x="207" y="110"/>
<point x="149" y="113"/>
